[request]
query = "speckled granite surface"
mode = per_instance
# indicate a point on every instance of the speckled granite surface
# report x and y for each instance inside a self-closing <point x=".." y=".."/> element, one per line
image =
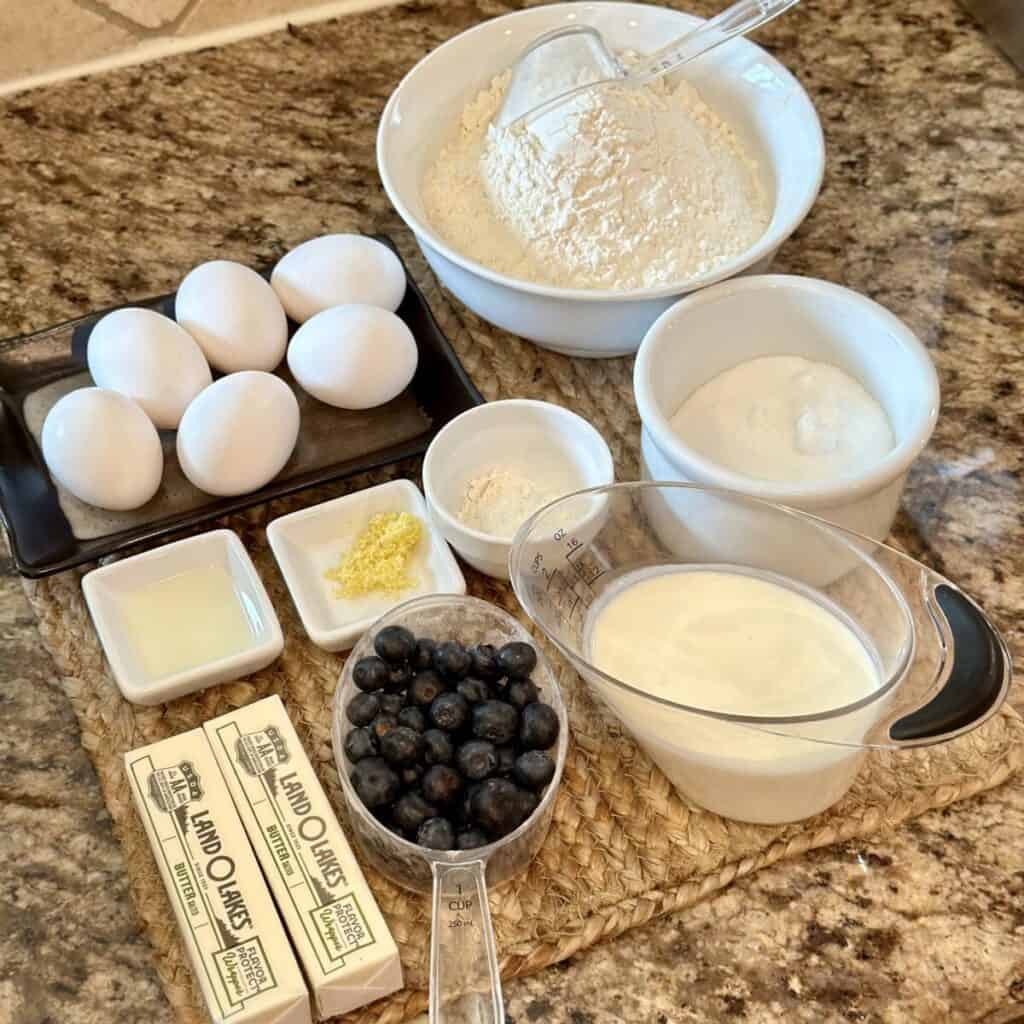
<point x="112" y="188"/>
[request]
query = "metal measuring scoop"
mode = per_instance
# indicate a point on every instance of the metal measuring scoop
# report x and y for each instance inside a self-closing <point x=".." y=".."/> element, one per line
<point x="465" y="983"/>
<point x="565" y="62"/>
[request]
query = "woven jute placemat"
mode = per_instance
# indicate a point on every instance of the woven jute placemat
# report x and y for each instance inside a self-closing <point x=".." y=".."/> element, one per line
<point x="623" y="847"/>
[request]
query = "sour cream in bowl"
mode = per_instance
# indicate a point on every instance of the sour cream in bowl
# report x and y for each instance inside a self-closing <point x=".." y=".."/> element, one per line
<point x="789" y="389"/>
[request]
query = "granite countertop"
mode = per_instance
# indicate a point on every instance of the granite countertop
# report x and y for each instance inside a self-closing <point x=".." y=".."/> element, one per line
<point x="114" y="187"/>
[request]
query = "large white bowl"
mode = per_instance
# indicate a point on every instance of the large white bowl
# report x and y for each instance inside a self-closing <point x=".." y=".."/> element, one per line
<point x="760" y="99"/>
<point x="706" y="334"/>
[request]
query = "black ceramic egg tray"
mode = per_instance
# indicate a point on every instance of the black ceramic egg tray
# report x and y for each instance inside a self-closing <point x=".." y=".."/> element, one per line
<point x="50" y="531"/>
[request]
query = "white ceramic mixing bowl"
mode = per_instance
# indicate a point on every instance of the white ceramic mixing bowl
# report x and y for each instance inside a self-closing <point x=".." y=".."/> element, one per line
<point x="706" y="334"/>
<point x="760" y="99"/>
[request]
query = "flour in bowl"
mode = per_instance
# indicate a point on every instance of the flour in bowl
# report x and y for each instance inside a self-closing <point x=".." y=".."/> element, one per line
<point x="620" y="188"/>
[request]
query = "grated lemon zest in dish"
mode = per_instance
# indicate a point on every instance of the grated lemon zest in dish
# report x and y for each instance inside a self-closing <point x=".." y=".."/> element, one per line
<point x="379" y="558"/>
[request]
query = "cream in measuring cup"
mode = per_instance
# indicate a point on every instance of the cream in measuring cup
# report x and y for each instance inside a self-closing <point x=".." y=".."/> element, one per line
<point x="730" y="642"/>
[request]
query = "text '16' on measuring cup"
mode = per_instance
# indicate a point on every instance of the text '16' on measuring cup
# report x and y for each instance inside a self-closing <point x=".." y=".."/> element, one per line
<point x="942" y="667"/>
<point x="465" y="986"/>
<point x="566" y="61"/>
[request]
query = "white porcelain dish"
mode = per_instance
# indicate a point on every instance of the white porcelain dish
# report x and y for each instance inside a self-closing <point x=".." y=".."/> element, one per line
<point x="760" y="99"/>
<point x="516" y="435"/>
<point x="718" y="328"/>
<point x="104" y="588"/>
<point x="308" y="543"/>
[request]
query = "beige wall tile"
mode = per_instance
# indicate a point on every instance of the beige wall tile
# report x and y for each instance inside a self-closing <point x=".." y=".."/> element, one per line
<point x="211" y="14"/>
<point x="147" y="13"/>
<point x="37" y="35"/>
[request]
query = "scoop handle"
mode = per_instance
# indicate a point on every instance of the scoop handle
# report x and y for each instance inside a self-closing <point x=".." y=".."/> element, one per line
<point x="739" y="19"/>
<point x="976" y="664"/>
<point x="465" y="985"/>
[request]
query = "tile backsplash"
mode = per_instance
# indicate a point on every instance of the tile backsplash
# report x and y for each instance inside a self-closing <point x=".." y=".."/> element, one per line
<point x="54" y="38"/>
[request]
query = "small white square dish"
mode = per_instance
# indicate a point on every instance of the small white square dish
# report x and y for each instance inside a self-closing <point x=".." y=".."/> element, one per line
<point x="309" y="543"/>
<point x="183" y="617"/>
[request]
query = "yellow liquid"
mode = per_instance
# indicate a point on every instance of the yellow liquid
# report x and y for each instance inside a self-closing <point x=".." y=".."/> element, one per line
<point x="186" y="620"/>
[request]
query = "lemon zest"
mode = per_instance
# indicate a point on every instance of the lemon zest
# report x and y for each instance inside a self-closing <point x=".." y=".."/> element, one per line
<point x="379" y="558"/>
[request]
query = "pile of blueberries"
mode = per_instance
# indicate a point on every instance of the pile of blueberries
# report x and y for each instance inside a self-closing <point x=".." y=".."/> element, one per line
<point x="449" y="743"/>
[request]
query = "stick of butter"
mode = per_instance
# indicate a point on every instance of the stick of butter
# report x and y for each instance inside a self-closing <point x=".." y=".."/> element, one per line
<point x="235" y="940"/>
<point x="344" y="945"/>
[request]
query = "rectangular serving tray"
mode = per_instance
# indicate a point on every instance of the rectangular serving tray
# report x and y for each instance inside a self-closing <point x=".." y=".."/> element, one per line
<point x="38" y="515"/>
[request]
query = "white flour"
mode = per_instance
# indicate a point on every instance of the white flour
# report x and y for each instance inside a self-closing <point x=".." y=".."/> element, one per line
<point x="619" y="188"/>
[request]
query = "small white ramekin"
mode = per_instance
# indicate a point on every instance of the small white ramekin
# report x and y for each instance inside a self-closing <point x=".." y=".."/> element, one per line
<point x="517" y="432"/>
<point x="714" y="330"/>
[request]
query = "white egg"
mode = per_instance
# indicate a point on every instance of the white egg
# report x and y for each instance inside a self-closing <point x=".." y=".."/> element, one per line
<point x="234" y="314"/>
<point x="102" y="447"/>
<point x="335" y="270"/>
<point x="238" y="433"/>
<point x="353" y="357"/>
<point x="150" y="359"/>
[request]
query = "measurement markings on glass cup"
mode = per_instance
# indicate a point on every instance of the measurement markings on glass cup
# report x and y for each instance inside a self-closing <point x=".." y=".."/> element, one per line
<point x="461" y="904"/>
<point x="588" y="569"/>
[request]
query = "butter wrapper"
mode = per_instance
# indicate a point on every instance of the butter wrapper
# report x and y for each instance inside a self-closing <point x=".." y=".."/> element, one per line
<point x="234" y="937"/>
<point x="346" y="950"/>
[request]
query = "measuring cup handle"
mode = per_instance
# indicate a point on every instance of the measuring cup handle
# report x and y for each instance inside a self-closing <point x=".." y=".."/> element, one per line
<point x="737" y="19"/>
<point x="979" y="672"/>
<point x="465" y="986"/>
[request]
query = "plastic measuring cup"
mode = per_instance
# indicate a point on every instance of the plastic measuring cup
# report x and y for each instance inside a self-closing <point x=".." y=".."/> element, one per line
<point x="465" y="985"/>
<point x="942" y="667"/>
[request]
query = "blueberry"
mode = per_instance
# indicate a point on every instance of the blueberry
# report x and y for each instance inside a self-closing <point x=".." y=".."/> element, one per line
<point x="464" y="813"/>
<point x="449" y="711"/>
<point x="484" y="662"/>
<point x="411" y="775"/>
<point x="391" y="703"/>
<point x="436" y="834"/>
<point x="517" y="659"/>
<point x="474" y="690"/>
<point x="375" y="781"/>
<point x="360" y="743"/>
<point x="441" y="784"/>
<point x="383" y="724"/>
<point x="370" y="674"/>
<point x="522" y="692"/>
<point x="498" y="807"/>
<point x="534" y="769"/>
<point x="401" y="746"/>
<point x="506" y="760"/>
<point x="452" y="660"/>
<point x="412" y="718"/>
<point x="399" y="677"/>
<point x="411" y="811"/>
<point x="539" y="727"/>
<point x="470" y="839"/>
<point x="495" y="720"/>
<point x="437" y="747"/>
<point x="362" y="708"/>
<point x="476" y="759"/>
<point x="395" y="644"/>
<point x="425" y="687"/>
<point x="528" y="803"/>
<point x="423" y="656"/>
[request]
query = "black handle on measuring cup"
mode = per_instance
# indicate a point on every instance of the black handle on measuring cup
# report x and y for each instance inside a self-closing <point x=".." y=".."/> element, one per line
<point x="977" y="681"/>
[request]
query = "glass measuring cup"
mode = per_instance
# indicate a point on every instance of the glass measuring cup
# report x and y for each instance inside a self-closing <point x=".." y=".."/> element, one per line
<point x="465" y="984"/>
<point x="942" y="667"/>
